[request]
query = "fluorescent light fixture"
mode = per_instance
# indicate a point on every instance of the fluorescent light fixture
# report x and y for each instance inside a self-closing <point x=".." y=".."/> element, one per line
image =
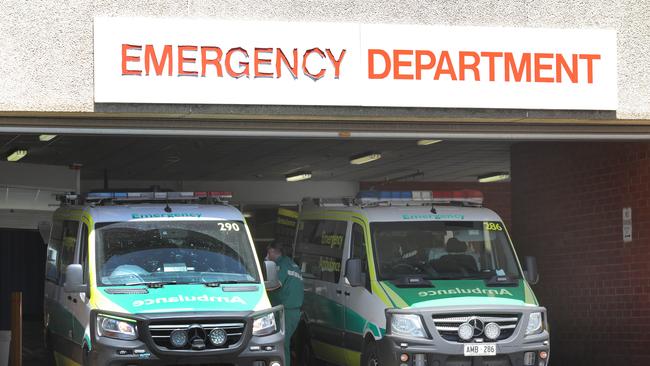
<point x="427" y="142"/>
<point x="248" y="215"/>
<point x="16" y="155"/>
<point x="298" y="176"/>
<point x="493" y="177"/>
<point x="364" y="158"/>
<point x="46" y="138"/>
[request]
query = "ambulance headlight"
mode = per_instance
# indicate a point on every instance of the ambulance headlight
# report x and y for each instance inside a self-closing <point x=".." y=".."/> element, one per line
<point x="535" y="324"/>
<point x="492" y="331"/>
<point x="264" y="325"/>
<point x="116" y="328"/>
<point x="409" y="325"/>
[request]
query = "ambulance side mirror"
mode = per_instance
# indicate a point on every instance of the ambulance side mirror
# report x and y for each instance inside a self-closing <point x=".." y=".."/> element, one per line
<point x="271" y="281"/>
<point x="74" y="279"/>
<point x="531" y="274"/>
<point x="44" y="228"/>
<point x="353" y="269"/>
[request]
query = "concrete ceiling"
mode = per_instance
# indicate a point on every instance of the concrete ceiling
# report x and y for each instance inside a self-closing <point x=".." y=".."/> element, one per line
<point x="191" y="158"/>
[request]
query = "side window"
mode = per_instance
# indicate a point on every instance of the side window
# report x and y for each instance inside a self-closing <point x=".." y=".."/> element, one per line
<point x="358" y="241"/>
<point x="319" y="249"/>
<point x="68" y="245"/>
<point x="83" y="251"/>
<point x="53" y="252"/>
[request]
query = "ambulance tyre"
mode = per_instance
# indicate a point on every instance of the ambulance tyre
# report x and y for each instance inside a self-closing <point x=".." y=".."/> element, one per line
<point x="85" y="360"/>
<point x="305" y="352"/>
<point x="369" y="356"/>
<point x="49" y="351"/>
<point x="307" y="356"/>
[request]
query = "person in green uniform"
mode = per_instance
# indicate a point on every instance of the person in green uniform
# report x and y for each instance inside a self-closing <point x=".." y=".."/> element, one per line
<point x="290" y="293"/>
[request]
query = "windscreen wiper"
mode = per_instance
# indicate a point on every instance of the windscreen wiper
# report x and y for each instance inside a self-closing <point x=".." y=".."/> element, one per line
<point x="501" y="281"/>
<point x="412" y="281"/>
<point x="228" y="282"/>
<point x="153" y="284"/>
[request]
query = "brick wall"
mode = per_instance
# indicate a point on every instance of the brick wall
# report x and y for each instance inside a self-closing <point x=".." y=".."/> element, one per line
<point x="496" y="195"/>
<point x="567" y="210"/>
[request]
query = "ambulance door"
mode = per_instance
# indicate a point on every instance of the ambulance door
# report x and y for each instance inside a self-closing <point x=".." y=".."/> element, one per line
<point x="80" y="307"/>
<point x="319" y="253"/>
<point x="54" y="307"/>
<point x="63" y="318"/>
<point x="363" y="310"/>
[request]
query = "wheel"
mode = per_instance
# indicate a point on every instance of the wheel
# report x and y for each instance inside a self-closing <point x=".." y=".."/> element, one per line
<point x="307" y="356"/>
<point x="85" y="360"/>
<point x="49" y="350"/>
<point x="369" y="356"/>
<point x="304" y="351"/>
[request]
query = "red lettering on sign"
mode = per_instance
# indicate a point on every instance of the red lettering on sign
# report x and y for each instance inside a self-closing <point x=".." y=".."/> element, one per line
<point x="441" y="69"/>
<point x="471" y="66"/>
<point x="419" y="65"/>
<point x="205" y="61"/>
<point x="182" y="60"/>
<point x="243" y="64"/>
<point x="306" y="71"/>
<point x="282" y="59"/>
<point x="590" y="65"/>
<point x="336" y="63"/>
<point x="158" y="65"/>
<point x="517" y="72"/>
<point x="126" y="58"/>
<point x="371" y="64"/>
<point x="397" y="63"/>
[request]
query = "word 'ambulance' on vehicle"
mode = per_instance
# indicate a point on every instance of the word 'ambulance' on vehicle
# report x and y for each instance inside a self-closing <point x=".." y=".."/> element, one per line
<point x="157" y="278"/>
<point x="415" y="278"/>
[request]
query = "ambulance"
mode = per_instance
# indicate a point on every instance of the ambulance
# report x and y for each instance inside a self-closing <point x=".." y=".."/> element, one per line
<point x="415" y="278"/>
<point x="161" y="278"/>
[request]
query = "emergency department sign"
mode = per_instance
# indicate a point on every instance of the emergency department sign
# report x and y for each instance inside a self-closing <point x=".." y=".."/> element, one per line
<point x="200" y="61"/>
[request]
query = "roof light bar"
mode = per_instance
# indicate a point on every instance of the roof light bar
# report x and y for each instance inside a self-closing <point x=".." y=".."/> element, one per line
<point x="428" y="142"/>
<point x="16" y="155"/>
<point x="364" y="158"/>
<point x="298" y="176"/>
<point x="155" y="196"/>
<point x="467" y="197"/>
<point x="493" y="177"/>
<point x="46" y="138"/>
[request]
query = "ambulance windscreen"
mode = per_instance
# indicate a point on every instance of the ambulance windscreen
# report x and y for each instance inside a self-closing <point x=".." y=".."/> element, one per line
<point x="174" y="252"/>
<point x="439" y="250"/>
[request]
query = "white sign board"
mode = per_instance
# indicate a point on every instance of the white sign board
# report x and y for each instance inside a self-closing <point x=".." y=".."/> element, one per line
<point x="627" y="225"/>
<point x="200" y="61"/>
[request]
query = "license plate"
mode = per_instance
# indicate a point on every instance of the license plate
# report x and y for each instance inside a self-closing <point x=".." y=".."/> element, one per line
<point x="480" y="350"/>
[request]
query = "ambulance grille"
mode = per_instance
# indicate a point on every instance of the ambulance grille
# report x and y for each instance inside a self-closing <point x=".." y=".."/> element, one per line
<point x="447" y="324"/>
<point x="161" y="331"/>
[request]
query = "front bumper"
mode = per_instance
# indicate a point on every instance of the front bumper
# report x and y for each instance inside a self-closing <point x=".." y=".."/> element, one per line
<point x="437" y="351"/>
<point x="250" y="351"/>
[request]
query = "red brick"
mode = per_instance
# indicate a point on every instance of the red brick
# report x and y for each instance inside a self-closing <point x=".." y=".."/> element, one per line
<point x="567" y="201"/>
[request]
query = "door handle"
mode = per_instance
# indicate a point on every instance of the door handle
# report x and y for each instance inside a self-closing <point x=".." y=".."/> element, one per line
<point x="74" y="301"/>
<point x="338" y="292"/>
<point x="69" y="298"/>
<point x="347" y="293"/>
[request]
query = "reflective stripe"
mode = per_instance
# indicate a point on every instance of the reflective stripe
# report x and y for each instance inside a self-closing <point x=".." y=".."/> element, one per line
<point x="294" y="274"/>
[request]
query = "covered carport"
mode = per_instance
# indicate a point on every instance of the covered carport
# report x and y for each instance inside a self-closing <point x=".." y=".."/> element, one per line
<point x="563" y="203"/>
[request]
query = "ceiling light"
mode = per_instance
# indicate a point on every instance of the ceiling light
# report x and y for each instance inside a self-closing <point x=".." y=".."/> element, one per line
<point x="46" y="138"/>
<point x="364" y="158"/>
<point x="493" y="177"/>
<point x="298" y="176"/>
<point x="248" y="215"/>
<point x="16" y="155"/>
<point x="427" y="142"/>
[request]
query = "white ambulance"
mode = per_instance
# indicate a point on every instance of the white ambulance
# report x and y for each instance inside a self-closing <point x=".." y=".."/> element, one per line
<point x="157" y="278"/>
<point x="415" y="279"/>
